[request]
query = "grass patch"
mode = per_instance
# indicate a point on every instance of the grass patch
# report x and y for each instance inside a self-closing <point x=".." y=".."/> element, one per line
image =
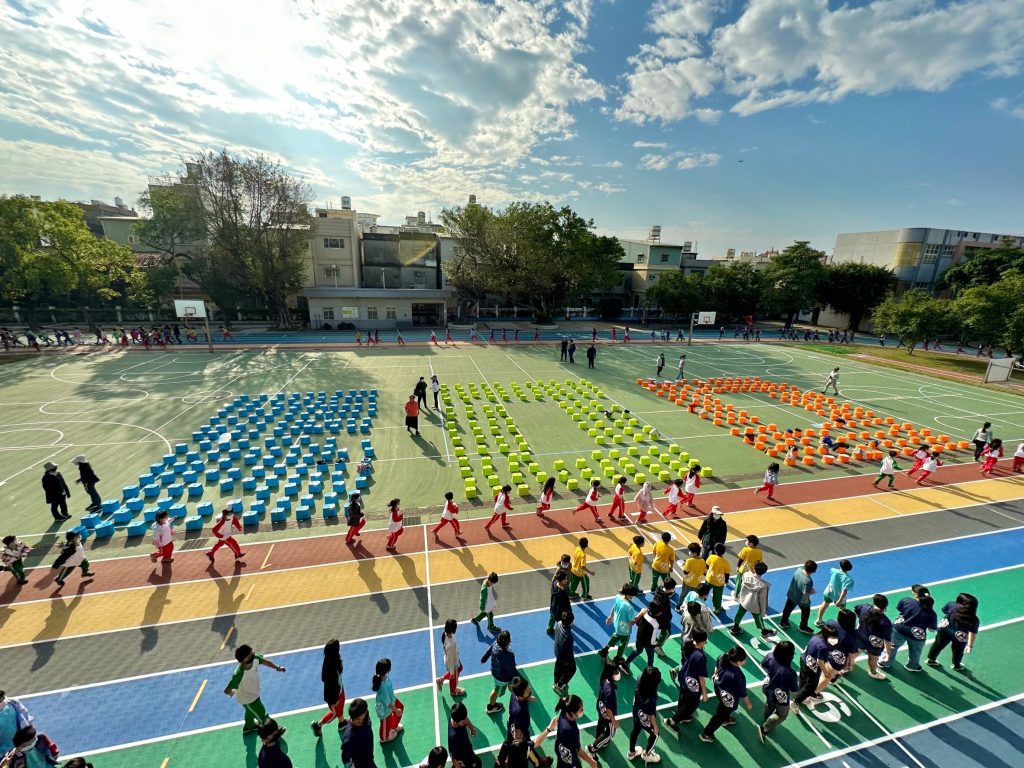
<point x="835" y="349"/>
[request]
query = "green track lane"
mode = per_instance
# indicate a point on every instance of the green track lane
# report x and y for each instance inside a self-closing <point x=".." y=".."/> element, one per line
<point x="859" y="710"/>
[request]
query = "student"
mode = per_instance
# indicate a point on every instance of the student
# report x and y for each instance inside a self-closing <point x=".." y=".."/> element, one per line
<point x="817" y="669"/>
<point x="503" y="669"/>
<point x="331" y="675"/>
<point x="354" y="517"/>
<point x="88" y="479"/>
<point x="396" y="524"/>
<point x="13" y="718"/>
<point x="435" y="385"/>
<point x="674" y="494"/>
<point x="694" y="567"/>
<point x="754" y="599"/>
<point x="691" y="485"/>
<point x="779" y="683"/>
<point x="916" y="615"/>
<point x="565" y="655"/>
<point x="888" y="470"/>
<point x="31" y="750"/>
<point x="771" y="479"/>
<point x="981" y="438"/>
<point x="222" y="531"/>
<point x="271" y="755"/>
<point x="560" y="601"/>
<point x="840" y="582"/>
<point x="619" y="501"/>
<point x="959" y="630"/>
<point x="412" y="416"/>
<point x="646" y="622"/>
<point x="718" y="575"/>
<point x="545" y="496"/>
<point x="1018" y="459"/>
<point x="636" y="561"/>
<point x="622" y="617"/>
<point x="389" y="709"/>
<point x="730" y="689"/>
<point x="992" y="453"/>
<point x="749" y="556"/>
<point x="644" y="500"/>
<point x="568" y="748"/>
<point x="874" y="633"/>
<point x="163" y="538"/>
<point x="449" y="515"/>
<point x="682" y="367"/>
<point x="452" y="662"/>
<point x="70" y="557"/>
<point x="645" y="718"/>
<point x="517" y="747"/>
<point x="436" y="757"/>
<point x="696" y="616"/>
<point x="664" y="559"/>
<point x="461" y="733"/>
<point x="929" y="466"/>
<point x="579" y="574"/>
<point x="691" y="676"/>
<point x="399" y="339"/>
<point x="607" y="708"/>
<point x="13" y="558"/>
<point x="519" y="710"/>
<point x="660" y="362"/>
<point x="798" y="595"/>
<point x="920" y="454"/>
<point x="502" y="506"/>
<point x="590" y="502"/>
<point x="832" y="381"/>
<point x="713" y="530"/>
<point x="56" y="492"/>
<point x="244" y="685"/>
<point x="488" y="599"/>
<point x="357" y="742"/>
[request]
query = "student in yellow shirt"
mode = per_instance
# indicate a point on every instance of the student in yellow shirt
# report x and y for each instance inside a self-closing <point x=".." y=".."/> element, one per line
<point x="750" y="555"/>
<point x="578" y="571"/>
<point x="636" y="561"/>
<point x="718" y="575"/>
<point x="694" y="568"/>
<point x="664" y="559"/>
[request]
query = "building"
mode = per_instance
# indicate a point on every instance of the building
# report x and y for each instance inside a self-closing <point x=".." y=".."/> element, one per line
<point x="644" y="262"/>
<point x="759" y="261"/>
<point x="917" y="255"/>
<point x="94" y="209"/>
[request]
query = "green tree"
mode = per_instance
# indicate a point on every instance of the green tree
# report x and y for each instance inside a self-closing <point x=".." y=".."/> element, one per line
<point x="176" y="223"/>
<point x="990" y="314"/>
<point x="733" y="290"/>
<point x="533" y="254"/>
<point x="794" y="278"/>
<point x="984" y="266"/>
<point x="678" y="294"/>
<point x="855" y="289"/>
<point x="912" y="317"/>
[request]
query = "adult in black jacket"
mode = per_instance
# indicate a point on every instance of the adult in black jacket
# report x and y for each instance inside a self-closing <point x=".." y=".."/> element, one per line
<point x="56" y="491"/>
<point x="420" y="390"/>
<point x="564" y="350"/>
<point x="88" y="479"/>
<point x="712" y="531"/>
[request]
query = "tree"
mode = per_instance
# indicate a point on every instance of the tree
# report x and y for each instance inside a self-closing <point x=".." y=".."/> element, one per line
<point x="983" y="267"/>
<point x="733" y="290"/>
<point x="532" y="253"/>
<point x="678" y="294"/>
<point x="175" y="225"/>
<point x="794" y="278"/>
<point x="991" y="314"/>
<point x="912" y="317"/>
<point x="855" y="289"/>
<point x="48" y="256"/>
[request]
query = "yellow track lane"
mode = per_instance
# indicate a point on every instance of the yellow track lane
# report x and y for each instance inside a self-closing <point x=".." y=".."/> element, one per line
<point x="144" y="606"/>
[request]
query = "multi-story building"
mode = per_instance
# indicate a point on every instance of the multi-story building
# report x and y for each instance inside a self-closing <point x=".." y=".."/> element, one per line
<point x="917" y="255"/>
<point x="95" y="209"/>
<point x="644" y="262"/>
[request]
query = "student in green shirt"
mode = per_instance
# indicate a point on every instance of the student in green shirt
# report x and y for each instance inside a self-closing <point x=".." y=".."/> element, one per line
<point x="622" y="618"/>
<point x="245" y="686"/>
<point x="487" y="602"/>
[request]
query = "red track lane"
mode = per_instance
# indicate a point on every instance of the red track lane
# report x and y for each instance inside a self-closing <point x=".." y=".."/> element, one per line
<point x="140" y="571"/>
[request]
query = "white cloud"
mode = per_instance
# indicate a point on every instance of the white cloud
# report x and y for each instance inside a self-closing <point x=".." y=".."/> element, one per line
<point x="655" y="162"/>
<point x="609" y="189"/>
<point x="683" y="161"/>
<point x="609" y="164"/>
<point x="1004" y="105"/>
<point x="650" y="145"/>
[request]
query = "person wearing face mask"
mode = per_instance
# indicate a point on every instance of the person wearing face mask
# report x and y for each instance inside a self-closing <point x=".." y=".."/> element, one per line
<point x="607" y="708"/>
<point x="713" y="530"/>
<point x="31" y="749"/>
<point x="13" y="718"/>
<point x="816" y="671"/>
<point x="916" y="617"/>
<point x="730" y="689"/>
<point x="691" y="676"/>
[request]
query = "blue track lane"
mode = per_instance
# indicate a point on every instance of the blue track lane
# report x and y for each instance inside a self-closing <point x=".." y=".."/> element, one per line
<point x="116" y="709"/>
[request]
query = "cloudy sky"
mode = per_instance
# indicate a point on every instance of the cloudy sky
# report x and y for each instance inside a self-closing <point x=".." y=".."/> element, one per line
<point x="733" y="123"/>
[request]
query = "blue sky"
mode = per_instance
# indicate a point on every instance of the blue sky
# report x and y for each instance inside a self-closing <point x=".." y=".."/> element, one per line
<point x="734" y="123"/>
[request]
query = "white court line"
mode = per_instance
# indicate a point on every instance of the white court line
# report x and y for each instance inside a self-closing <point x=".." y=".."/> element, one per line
<point x="430" y="637"/>
<point x="444" y="433"/>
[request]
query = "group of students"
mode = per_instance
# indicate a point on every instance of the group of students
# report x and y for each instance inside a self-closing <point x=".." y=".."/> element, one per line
<point x="22" y="745"/>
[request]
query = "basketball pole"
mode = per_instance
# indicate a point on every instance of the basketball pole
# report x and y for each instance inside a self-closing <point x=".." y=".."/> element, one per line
<point x="209" y="338"/>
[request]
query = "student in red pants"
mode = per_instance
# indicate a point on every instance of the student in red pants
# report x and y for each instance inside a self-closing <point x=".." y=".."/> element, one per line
<point x="502" y="505"/>
<point x="334" y="688"/>
<point x="590" y="502"/>
<point x="449" y="515"/>
<point x="619" y="501"/>
<point x="354" y="517"/>
<point x="928" y="466"/>
<point x="222" y="531"/>
<point x="675" y="495"/>
<point x="163" y="537"/>
<point x="771" y="479"/>
<point x="396" y="523"/>
<point x="545" y="496"/>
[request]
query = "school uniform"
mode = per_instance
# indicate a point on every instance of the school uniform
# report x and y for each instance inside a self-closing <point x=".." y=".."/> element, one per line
<point x="635" y="557"/>
<point x="920" y="456"/>
<point x="357" y="745"/>
<point x="488" y="599"/>
<point x="1018" y="458"/>
<point x="222" y="531"/>
<point x="781" y="681"/>
<point x="383" y="703"/>
<point x="990" y="456"/>
<point x="13" y="717"/>
<point x="163" y="541"/>
<point x="334" y="696"/>
<point x="590" y="502"/>
<point x="396" y="524"/>
<point x="753" y="599"/>
<point x="503" y="666"/>
<point x="693" y="572"/>
<point x="798" y="595"/>
<point x="502" y="505"/>
<point x="644" y="712"/>
<point x="607" y="711"/>
<point x="887" y="470"/>
<point x="953" y="632"/>
<point x="748" y="557"/>
<point x="928" y="467"/>
<point x="730" y="689"/>
<point x="545" y="500"/>
<point x="911" y="627"/>
<point x="674" y="496"/>
<point x="691" y="671"/>
<point x="567" y="743"/>
<point x="645" y="502"/>
<point x="815" y="655"/>
<point x="691" y="484"/>
<point x="873" y="641"/>
<point x="246" y="685"/>
<point x="578" y="573"/>
<point x="449" y="516"/>
<point x="565" y="656"/>
<point x="273" y="756"/>
<point x="13" y="559"/>
<point x="560" y="603"/>
<point x="717" y="577"/>
<point x="839" y="581"/>
<point x="623" y="614"/>
<point x="44" y="752"/>
<point x="661" y="565"/>
<point x="72" y="556"/>
<point x="452" y="662"/>
<point x="460" y="746"/>
<point x="771" y="479"/>
<point x="355" y="519"/>
<point x="645" y="626"/>
<point x="618" y="502"/>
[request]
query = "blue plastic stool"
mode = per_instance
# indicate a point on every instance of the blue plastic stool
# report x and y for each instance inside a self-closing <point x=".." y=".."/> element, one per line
<point x="248" y="483"/>
<point x="250" y="519"/>
<point x="151" y="491"/>
<point x="305" y="512"/>
<point x="195" y="491"/>
<point x="135" y="505"/>
<point x="193" y="523"/>
<point x="235" y="473"/>
<point x="262" y="492"/>
<point x="273" y="482"/>
<point x="362" y="483"/>
<point x="164" y="503"/>
<point x="178" y="512"/>
<point x="181" y="448"/>
<point x="176" y="491"/>
<point x="138" y="528"/>
<point x="278" y="515"/>
<point x="110" y="505"/>
<point x="122" y="516"/>
<point x="149" y="514"/>
<point x="168" y="478"/>
<point x="259" y="508"/>
<point x="189" y="477"/>
<point x="330" y="513"/>
<point x="235" y="505"/>
<point x="227" y="485"/>
<point x="129" y="492"/>
<point x="212" y="475"/>
<point x="91" y="521"/>
<point x="204" y="508"/>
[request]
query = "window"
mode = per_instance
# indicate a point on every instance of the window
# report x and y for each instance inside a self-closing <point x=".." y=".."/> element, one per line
<point x="334" y="242"/>
<point x="664" y="258"/>
<point x="931" y="254"/>
<point x="639" y="258"/>
<point x="947" y="250"/>
<point x="923" y="286"/>
<point x="391" y="313"/>
<point x="133" y="239"/>
<point x="322" y="215"/>
<point x="371" y="313"/>
<point x="331" y="271"/>
<point x="328" y="313"/>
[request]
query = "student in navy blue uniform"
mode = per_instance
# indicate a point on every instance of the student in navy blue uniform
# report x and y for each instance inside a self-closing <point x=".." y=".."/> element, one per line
<point x="519" y="711"/>
<point x="646" y="622"/>
<point x="645" y="718"/>
<point x="816" y="669"/>
<point x="959" y="629"/>
<point x="461" y="733"/>
<point x="271" y="755"/>
<point x="436" y="758"/>
<point x="730" y="688"/>
<point x="560" y="602"/>
<point x="357" y="741"/>
<point x="607" y="708"/>
<point x="874" y="633"/>
<point x="568" y="751"/>
<point x="565" y="655"/>
<point x="780" y="682"/>
<point x="916" y="617"/>
<point x="515" y="749"/>
<point x="849" y="642"/>
<point x="691" y="675"/>
<point x="503" y="669"/>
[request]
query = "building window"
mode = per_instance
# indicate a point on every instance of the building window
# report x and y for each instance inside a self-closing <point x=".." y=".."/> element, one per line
<point x="328" y="313"/>
<point x="371" y="313"/>
<point x="334" y="242"/>
<point x="947" y="250"/>
<point x="923" y="285"/>
<point x="931" y="254"/>
<point x="331" y="272"/>
<point x="391" y="313"/>
<point x="639" y="258"/>
<point x="322" y="215"/>
<point x="664" y="258"/>
<point x="133" y="239"/>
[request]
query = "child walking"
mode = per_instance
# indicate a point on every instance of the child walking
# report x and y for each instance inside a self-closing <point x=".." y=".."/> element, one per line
<point x="579" y="574"/>
<point x="691" y="676"/>
<point x="503" y="669"/>
<point x="779" y="683"/>
<point x="244" y="686"/>
<point x="502" y="506"/>
<point x="163" y="538"/>
<point x="396" y="524"/>
<point x="749" y="556"/>
<point x="13" y="558"/>
<point x="488" y="599"/>
<point x="357" y="742"/>
<point x="674" y="494"/>
<point x="607" y="708"/>
<point x="840" y="582"/>
<point x="71" y="556"/>
<point x="992" y="453"/>
<point x="354" y="517"/>
<point x="771" y="479"/>
<point x="622" y="617"/>
<point x="222" y="531"/>
<point x="691" y="485"/>
<point x="452" y="663"/>
<point x="1018" y="459"/>
<point x="717" y="575"/>
<point x="644" y="500"/>
<point x="645" y="718"/>
<point x="730" y="689"/>
<point x="389" y="708"/>
<point x="888" y="470"/>
<point x="619" y="501"/>
<point x="753" y="600"/>
<point x="636" y="561"/>
<point x="545" y="496"/>
<point x="928" y="466"/>
<point x="664" y="559"/>
<point x="331" y="671"/>
<point x="449" y="515"/>
<point x="461" y="732"/>
<point x="590" y="502"/>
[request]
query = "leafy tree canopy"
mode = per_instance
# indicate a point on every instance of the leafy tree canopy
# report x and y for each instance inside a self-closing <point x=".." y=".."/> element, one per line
<point x="912" y="317"/>
<point x="794" y="278"/>
<point x="855" y="289"/>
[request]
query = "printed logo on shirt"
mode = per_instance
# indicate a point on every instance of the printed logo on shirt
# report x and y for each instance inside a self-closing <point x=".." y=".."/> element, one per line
<point x="837" y="657"/>
<point x="645" y="721"/>
<point x="918" y="633"/>
<point x="811" y="663"/>
<point x="781" y="697"/>
<point x="961" y="636"/>
<point x="693" y="684"/>
<point x="876" y="641"/>
<point x="564" y="755"/>
<point x="727" y="699"/>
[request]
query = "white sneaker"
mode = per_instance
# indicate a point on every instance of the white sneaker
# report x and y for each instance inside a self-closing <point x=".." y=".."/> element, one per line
<point x="652" y="757"/>
<point x="877" y="675"/>
<point x="633" y="754"/>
